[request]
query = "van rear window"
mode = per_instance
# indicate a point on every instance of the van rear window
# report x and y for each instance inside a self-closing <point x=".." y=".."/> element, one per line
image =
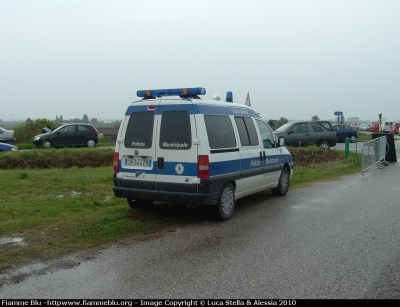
<point x="175" y="132"/>
<point x="139" y="132"/>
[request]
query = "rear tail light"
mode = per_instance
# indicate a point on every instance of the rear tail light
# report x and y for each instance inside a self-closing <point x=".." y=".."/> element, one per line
<point x="95" y="129"/>
<point x="116" y="160"/>
<point x="203" y="166"/>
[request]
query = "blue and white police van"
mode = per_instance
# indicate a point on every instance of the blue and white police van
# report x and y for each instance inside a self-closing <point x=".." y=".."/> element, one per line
<point x="173" y="146"/>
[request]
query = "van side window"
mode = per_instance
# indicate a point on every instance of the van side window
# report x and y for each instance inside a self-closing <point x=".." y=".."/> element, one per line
<point x="220" y="131"/>
<point x="139" y="132"/>
<point x="175" y="132"/>
<point x="266" y="134"/>
<point x="247" y="131"/>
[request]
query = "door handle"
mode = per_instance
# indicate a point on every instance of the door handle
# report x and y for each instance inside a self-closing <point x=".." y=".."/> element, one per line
<point x="160" y="163"/>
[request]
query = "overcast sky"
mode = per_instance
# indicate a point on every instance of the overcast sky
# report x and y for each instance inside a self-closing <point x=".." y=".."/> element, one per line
<point x="296" y="58"/>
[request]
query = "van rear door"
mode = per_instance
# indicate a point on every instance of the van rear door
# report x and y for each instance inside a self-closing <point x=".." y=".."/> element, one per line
<point x="176" y="147"/>
<point x="137" y="149"/>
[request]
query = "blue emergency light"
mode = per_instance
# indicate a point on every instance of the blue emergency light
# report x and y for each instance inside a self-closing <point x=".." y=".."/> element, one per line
<point x="229" y="96"/>
<point x="181" y="92"/>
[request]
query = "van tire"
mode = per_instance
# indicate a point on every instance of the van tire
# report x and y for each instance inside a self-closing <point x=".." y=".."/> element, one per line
<point x="138" y="203"/>
<point x="283" y="184"/>
<point x="226" y="203"/>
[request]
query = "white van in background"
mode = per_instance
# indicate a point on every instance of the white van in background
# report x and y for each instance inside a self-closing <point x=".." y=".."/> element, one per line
<point x="385" y="125"/>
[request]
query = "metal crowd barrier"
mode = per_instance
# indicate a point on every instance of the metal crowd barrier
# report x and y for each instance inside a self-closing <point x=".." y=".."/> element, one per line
<point x="373" y="154"/>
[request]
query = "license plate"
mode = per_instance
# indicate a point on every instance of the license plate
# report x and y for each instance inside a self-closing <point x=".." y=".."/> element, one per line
<point x="137" y="162"/>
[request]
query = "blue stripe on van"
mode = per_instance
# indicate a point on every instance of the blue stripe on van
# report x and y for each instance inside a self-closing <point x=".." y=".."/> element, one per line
<point x="216" y="168"/>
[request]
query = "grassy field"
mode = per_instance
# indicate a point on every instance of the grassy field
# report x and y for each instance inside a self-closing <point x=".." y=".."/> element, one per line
<point x="48" y="210"/>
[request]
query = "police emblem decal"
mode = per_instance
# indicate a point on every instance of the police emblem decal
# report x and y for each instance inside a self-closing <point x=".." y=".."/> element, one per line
<point x="179" y="168"/>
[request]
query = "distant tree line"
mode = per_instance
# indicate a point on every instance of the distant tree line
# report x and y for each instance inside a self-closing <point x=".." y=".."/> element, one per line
<point x="84" y="119"/>
<point x="275" y="124"/>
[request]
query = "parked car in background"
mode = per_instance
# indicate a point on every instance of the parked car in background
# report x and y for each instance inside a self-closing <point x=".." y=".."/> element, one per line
<point x="68" y="135"/>
<point x="395" y="128"/>
<point x="7" y="136"/>
<point x="363" y="127"/>
<point x="303" y="133"/>
<point x="345" y="131"/>
<point x="7" y="147"/>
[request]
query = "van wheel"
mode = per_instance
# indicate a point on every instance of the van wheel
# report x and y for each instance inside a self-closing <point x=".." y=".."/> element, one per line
<point x="283" y="184"/>
<point x="226" y="202"/>
<point x="138" y="203"/>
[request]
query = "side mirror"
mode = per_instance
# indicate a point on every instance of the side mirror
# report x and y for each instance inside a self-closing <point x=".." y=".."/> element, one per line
<point x="281" y="141"/>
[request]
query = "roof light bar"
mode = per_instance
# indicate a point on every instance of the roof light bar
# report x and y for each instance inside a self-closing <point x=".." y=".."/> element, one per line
<point x="181" y="92"/>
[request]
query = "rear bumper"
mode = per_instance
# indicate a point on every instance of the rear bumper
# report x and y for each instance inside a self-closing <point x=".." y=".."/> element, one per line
<point x="168" y="196"/>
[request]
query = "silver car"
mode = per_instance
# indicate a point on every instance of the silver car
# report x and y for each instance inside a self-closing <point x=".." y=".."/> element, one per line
<point x="303" y="133"/>
<point x="7" y="136"/>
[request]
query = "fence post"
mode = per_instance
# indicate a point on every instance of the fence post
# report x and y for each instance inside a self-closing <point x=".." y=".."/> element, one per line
<point x="347" y="147"/>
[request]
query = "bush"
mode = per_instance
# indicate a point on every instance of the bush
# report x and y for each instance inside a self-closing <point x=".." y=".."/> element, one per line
<point x="28" y="130"/>
<point x="57" y="158"/>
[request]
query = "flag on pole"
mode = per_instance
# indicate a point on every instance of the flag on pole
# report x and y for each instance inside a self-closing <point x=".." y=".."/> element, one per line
<point x="247" y="102"/>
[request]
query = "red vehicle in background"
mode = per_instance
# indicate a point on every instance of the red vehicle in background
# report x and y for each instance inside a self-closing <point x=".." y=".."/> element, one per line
<point x="395" y="128"/>
<point x="370" y="127"/>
